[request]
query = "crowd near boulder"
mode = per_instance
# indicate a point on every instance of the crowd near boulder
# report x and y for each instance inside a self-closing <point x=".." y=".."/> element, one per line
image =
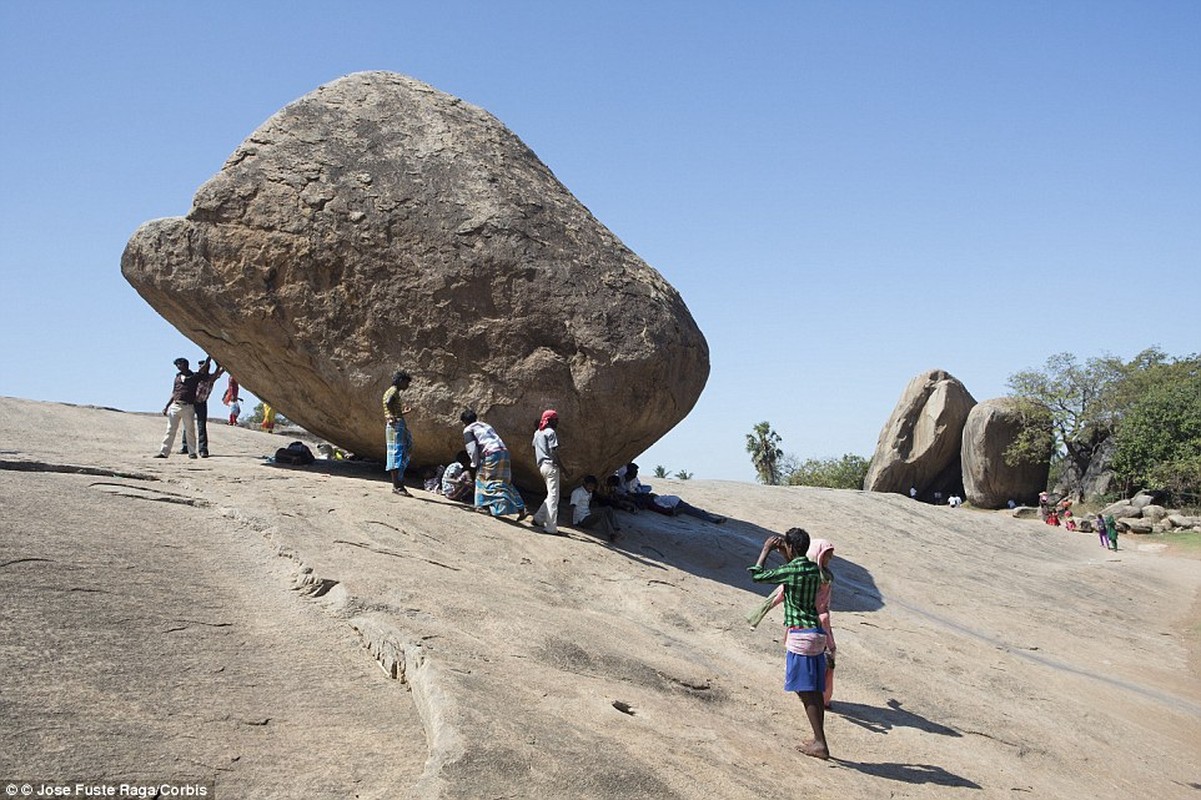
<point x="377" y="221"/>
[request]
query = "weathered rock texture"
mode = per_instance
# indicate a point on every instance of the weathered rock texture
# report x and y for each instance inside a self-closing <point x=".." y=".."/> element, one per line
<point x="919" y="445"/>
<point x="377" y="223"/>
<point x="988" y="482"/>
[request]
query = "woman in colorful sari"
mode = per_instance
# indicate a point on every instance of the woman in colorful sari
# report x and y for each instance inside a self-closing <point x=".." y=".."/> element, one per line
<point x="494" y="490"/>
<point x="396" y="432"/>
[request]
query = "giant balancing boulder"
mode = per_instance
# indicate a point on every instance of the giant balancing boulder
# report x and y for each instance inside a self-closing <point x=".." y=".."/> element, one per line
<point x="378" y="223"/>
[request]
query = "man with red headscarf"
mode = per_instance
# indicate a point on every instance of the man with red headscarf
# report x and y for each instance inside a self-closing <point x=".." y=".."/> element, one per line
<point x="546" y="453"/>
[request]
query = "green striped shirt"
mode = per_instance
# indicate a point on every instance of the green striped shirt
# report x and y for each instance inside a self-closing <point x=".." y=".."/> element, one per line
<point x="801" y="579"/>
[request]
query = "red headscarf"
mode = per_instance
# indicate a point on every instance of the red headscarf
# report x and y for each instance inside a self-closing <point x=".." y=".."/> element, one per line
<point x="547" y="416"/>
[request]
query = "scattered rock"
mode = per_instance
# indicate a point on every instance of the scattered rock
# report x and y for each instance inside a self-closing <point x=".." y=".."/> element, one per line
<point x="377" y="222"/>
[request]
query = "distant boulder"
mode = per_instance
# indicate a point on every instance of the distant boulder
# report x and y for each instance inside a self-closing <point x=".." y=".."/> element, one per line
<point x="991" y="427"/>
<point x="919" y="445"/>
<point x="378" y="223"/>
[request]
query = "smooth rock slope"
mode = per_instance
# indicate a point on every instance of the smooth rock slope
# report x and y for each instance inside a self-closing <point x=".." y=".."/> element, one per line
<point x="223" y="620"/>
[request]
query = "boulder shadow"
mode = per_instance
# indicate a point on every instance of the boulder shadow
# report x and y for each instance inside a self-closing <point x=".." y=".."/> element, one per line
<point x="883" y="720"/>
<point x="722" y="552"/>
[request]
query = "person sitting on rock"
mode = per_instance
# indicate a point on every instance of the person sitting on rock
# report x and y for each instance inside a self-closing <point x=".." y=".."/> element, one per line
<point x="494" y="490"/>
<point x="610" y="495"/>
<point x="587" y="514"/>
<point x="633" y="489"/>
<point x="457" y="479"/>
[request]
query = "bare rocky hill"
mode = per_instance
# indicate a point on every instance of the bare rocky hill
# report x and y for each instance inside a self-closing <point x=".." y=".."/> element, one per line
<point x="279" y="632"/>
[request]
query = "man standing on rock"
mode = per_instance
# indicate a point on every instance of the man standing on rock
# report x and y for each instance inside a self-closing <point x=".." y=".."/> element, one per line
<point x="399" y="441"/>
<point x="805" y="664"/>
<point x="203" y="389"/>
<point x="181" y="406"/>
<point x="546" y="453"/>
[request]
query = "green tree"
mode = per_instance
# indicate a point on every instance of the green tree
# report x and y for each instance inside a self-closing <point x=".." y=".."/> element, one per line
<point x="1158" y="440"/>
<point x="684" y="475"/>
<point x="846" y="472"/>
<point x="660" y="471"/>
<point x="1085" y="401"/>
<point x="764" y="446"/>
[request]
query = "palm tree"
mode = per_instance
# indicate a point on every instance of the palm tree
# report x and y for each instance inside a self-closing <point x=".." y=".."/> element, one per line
<point x="660" y="471"/>
<point x="764" y="446"/>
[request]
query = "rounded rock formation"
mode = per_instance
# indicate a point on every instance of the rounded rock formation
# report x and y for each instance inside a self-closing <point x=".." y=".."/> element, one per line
<point x="991" y="427"/>
<point x="919" y="445"/>
<point x="377" y="223"/>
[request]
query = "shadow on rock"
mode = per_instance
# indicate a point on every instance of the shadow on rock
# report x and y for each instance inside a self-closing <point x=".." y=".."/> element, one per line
<point x="882" y="720"/>
<point x="910" y="773"/>
<point x="722" y="553"/>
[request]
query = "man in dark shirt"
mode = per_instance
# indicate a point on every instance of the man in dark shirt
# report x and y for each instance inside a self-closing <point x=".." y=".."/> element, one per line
<point x="181" y="406"/>
<point x="204" y="388"/>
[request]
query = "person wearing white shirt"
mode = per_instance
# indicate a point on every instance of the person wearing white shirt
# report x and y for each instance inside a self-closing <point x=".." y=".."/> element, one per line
<point x="584" y="514"/>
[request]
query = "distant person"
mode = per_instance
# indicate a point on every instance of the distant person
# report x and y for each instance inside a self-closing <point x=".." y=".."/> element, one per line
<point x="1012" y="504"/>
<point x="494" y="490"/>
<point x="203" y="389"/>
<point x="912" y="492"/>
<point x="938" y="498"/>
<point x="805" y="642"/>
<point x="1111" y="531"/>
<point x="1052" y="518"/>
<point x="181" y="407"/>
<point x="673" y="505"/>
<point x="235" y="410"/>
<point x="268" y="418"/>
<point x="632" y="488"/>
<point x="587" y="514"/>
<point x="231" y="391"/>
<point x="457" y="482"/>
<point x="954" y="501"/>
<point x="609" y="494"/>
<point x="1044" y="506"/>
<point x="1069" y="522"/>
<point x="1102" y="533"/>
<point x="546" y="456"/>
<point x="397" y="438"/>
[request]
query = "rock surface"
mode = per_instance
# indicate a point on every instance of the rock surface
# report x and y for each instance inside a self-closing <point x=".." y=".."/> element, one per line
<point x="223" y="619"/>
<point x="919" y="445"/>
<point x="377" y="223"/>
<point x="991" y="427"/>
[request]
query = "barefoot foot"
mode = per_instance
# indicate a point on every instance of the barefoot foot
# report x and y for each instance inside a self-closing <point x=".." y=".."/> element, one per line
<point x="814" y="750"/>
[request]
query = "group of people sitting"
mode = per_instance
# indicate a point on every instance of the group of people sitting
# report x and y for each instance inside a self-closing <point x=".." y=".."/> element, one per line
<point x="481" y="474"/>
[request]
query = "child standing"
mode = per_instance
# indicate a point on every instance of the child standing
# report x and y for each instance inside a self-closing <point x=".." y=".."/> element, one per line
<point x="1111" y="529"/>
<point x="235" y="410"/>
<point x="1101" y="533"/>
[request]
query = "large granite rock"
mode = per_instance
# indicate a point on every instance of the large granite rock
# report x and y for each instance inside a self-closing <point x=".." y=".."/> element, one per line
<point x="377" y="223"/>
<point x="919" y="445"/>
<point x="991" y="427"/>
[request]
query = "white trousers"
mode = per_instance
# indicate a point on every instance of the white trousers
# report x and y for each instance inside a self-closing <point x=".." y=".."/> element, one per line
<point x="547" y="514"/>
<point x="186" y="412"/>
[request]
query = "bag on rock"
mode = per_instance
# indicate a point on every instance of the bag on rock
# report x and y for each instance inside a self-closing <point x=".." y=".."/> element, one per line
<point x="297" y="454"/>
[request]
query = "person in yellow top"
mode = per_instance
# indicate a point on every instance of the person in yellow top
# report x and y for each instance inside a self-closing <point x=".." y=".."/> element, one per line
<point x="396" y="432"/>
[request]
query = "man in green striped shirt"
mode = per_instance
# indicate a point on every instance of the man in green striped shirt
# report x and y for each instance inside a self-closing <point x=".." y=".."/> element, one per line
<point x="805" y="661"/>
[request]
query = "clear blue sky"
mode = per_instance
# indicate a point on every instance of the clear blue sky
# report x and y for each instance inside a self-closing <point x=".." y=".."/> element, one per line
<point x="846" y="194"/>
